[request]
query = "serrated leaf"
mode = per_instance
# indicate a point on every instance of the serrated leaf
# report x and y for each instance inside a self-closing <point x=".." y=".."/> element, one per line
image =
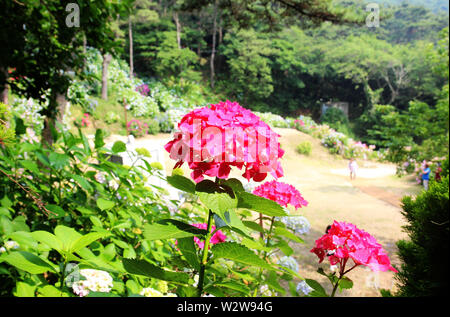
<point x="187" y="248"/>
<point x="58" y="160"/>
<point x="170" y="230"/>
<point x="56" y="211"/>
<point x="345" y="283"/>
<point x="288" y="234"/>
<point x="49" y="239"/>
<point x="319" y="291"/>
<point x="82" y="182"/>
<point x="239" y="253"/>
<point x="67" y="236"/>
<point x="142" y="267"/>
<point x="28" y="262"/>
<point x="260" y="204"/>
<point x="104" y="204"/>
<point x="181" y="183"/>
<point x="86" y="240"/>
<point x="242" y="288"/>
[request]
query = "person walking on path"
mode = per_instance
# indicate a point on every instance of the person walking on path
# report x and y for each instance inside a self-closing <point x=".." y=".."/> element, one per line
<point x="437" y="173"/>
<point x="353" y="167"/>
<point x="426" y="175"/>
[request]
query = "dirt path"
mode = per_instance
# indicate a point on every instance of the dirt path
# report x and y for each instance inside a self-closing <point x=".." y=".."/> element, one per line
<point x="371" y="202"/>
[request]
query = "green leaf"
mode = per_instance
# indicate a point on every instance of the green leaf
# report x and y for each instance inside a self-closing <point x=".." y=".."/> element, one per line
<point x="30" y="165"/>
<point x="251" y="244"/>
<point x="253" y="225"/>
<point x="181" y="183"/>
<point x="260" y="204"/>
<point x="51" y="291"/>
<point x="170" y="230"/>
<point x="234" y="184"/>
<point x="214" y="198"/>
<point x="96" y="221"/>
<point x="82" y="182"/>
<point x="288" y="234"/>
<point x="86" y="240"/>
<point x="187" y="248"/>
<point x="67" y="236"/>
<point x="102" y="294"/>
<point x="239" y="253"/>
<point x="119" y="147"/>
<point x="57" y="212"/>
<point x="58" y="161"/>
<point x="49" y="239"/>
<point x="319" y="291"/>
<point x="28" y="262"/>
<point x="142" y="267"/>
<point x="24" y="290"/>
<point x="24" y="238"/>
<point x="272" y="280"/>
<point x="242" y="288"/>
<point x="104" y="204"/>
<point x="345" y="283"/>
<point x="99" y="139"/>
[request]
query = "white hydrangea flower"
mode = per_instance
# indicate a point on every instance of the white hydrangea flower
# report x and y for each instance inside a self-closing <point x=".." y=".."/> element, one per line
<point x="196" y="277"/>
<point x="288" y="262"/>
<point x="265" y="291"/>
<point x="96" y="281"/>
<point x="304" y="288"/>
<point x="151" y="292"/>
<point x="2" y="249"/>
<point x="11" y="245"/>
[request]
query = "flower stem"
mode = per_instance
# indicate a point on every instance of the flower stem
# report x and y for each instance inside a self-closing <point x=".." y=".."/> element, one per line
<point x="205" y="256"/>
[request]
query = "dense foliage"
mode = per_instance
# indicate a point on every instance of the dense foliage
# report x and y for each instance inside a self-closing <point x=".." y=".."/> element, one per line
<point x="425" y="254"/>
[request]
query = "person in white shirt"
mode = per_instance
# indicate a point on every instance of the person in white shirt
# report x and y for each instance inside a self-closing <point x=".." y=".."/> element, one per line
<point x="353" y="167"/>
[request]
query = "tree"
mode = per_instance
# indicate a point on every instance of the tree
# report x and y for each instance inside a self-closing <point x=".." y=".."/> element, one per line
<point x="45" y="52"/>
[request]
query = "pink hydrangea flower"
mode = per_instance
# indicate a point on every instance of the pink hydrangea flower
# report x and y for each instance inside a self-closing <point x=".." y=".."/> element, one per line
<point x="217" y="237"/>
<point x="345" y="241"/>
<point x="281" y="193"/>
<point x="214" y="139"/>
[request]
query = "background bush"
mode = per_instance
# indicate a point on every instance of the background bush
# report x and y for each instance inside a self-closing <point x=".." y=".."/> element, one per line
<point x="425" y="256"/>
<point x="304" y="148"/>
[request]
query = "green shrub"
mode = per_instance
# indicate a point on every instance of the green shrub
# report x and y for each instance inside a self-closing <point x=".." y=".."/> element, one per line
<point x="153" y="127"/>
<point x="111" y="117"/>
<point x="337" y="120"/>
<point x="304" y="148"/>
<point x="425" y="255"/>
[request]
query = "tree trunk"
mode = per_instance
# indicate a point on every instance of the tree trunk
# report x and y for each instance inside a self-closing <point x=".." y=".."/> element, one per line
<point x="177" y="23"/>
<point x="130" y="36"/>
<point x="5" y="91"/>
<point x="62" y="106"/>
<point x="106" y="60"/>
<point x="213" y="51"/>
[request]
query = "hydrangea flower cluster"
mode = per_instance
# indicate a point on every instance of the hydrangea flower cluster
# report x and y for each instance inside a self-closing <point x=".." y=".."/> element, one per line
<point x="96" y="281"/>
<point x="345" y="241"/>
<point x="151" y="292"/>
<point x="288" y="262"/>
<point x="299" y="224"/>
<point x="281" y="193"/>
<point x="217" y="237"/>
<point x="303" y="288"/>
<point x="214" y="139"/>
<point x="264" y="290"/>
<point x="9" y="245"/>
